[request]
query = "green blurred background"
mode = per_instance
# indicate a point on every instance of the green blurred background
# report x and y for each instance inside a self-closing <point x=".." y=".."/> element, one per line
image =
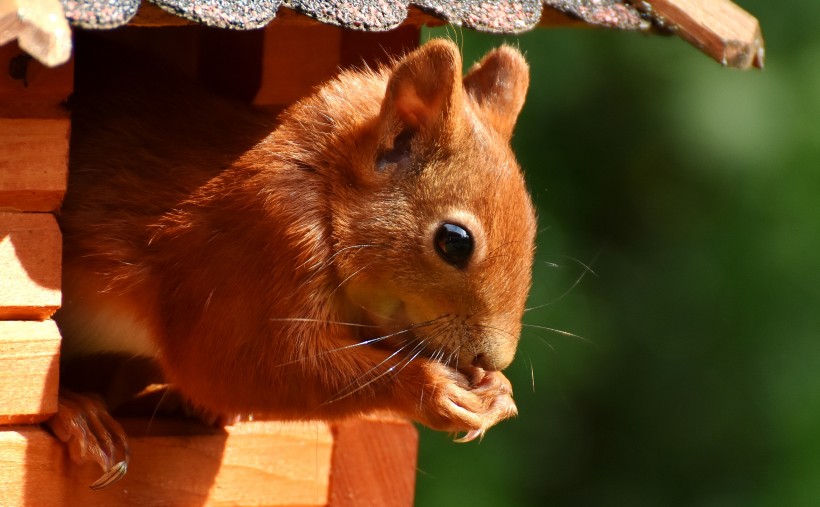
<point x="693" y="192"/>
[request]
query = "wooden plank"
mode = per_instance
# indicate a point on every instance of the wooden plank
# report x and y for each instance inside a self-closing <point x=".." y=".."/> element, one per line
<point x="29" y="371"/>
<point x="29" y="89"/>
<point x="719" y="28"/>
<point x="30" y="255"/>
<point x="374" y="463"/>
<point x="33" y="163"/>
<point x="176" y="463"/>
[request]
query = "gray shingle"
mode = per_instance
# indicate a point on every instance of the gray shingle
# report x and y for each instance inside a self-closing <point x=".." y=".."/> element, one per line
<point x="499" y="16"/>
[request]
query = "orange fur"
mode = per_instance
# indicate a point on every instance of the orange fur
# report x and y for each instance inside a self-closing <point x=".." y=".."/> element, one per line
<point x="243" y="249"/>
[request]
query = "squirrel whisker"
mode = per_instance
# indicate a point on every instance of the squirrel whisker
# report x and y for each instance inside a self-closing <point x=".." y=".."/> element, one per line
<point x="559" y="331"/>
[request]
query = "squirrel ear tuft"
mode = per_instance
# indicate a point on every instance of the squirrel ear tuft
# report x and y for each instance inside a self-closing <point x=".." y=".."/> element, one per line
<point x="424" y="85"/>
<point x="498" y="84"/>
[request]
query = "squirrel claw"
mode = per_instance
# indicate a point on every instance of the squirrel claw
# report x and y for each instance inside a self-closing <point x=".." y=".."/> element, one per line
<point x="114" y="474"/>
<point x="470" y="436"/>
<point x="90" y="434"/>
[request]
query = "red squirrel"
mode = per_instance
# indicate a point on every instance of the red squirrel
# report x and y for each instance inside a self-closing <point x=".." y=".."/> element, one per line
<point x="368" y="249"/>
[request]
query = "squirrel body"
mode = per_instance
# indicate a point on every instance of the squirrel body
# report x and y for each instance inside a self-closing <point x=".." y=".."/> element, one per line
<point x="300" y="267"/>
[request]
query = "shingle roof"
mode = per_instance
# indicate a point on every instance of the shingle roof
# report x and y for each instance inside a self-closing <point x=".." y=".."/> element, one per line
<point x="498" y="16"/>
<point x="719" y="28"/>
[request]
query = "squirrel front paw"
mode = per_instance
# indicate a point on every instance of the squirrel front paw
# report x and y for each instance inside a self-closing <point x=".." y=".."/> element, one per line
<point x="470" y="402"/>
<point x="89" y="432"/>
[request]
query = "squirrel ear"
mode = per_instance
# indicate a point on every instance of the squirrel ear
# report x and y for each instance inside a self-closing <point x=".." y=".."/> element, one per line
<point x="498" y="84"/>
<point x="424" y="84"/>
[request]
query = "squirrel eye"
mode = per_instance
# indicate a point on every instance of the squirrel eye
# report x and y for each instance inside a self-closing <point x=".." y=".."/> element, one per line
<point x="454" y="244"/>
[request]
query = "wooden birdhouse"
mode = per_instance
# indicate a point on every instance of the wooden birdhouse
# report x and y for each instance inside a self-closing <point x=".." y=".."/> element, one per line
<point x="268" y="53"/>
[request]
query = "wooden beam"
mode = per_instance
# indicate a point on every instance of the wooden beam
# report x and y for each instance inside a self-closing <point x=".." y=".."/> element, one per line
<point x="177" y="462"/>
<point x="719" y="28"/>
<point x="33" y="163"/>
<point x="29" y="371"/>
<point x="30" y="255"/>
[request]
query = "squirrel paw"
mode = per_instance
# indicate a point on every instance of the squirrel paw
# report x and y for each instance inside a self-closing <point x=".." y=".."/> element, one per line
<point x="471" y="402"/>
<point x="83" y="423"/>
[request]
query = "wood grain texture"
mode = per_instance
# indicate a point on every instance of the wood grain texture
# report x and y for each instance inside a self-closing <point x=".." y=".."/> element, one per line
<point x="178" y="463"/>
<point x="29" y="371"/>
<point x="33" y="163"/>
<point x="30" y="255"/>
<point x="719" y="28"/>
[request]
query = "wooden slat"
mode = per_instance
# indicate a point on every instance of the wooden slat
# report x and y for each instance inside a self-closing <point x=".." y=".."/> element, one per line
<point x="719" y="28"/>
<point x="29" y="371"/>
<point x="33" y="163"/>
<point x="174" y="463"/>
<point x="30" y="255"/>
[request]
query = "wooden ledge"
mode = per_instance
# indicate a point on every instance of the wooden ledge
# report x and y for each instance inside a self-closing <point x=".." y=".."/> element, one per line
<point x="359" y="462"/>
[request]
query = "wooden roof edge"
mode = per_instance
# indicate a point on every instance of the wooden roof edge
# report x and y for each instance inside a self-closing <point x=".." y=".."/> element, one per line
<point x="719" y="28"/>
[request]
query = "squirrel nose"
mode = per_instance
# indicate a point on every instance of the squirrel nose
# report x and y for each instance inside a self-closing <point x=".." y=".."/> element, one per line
<point x="482" y="361"/>
<point x="494" y="359"/>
